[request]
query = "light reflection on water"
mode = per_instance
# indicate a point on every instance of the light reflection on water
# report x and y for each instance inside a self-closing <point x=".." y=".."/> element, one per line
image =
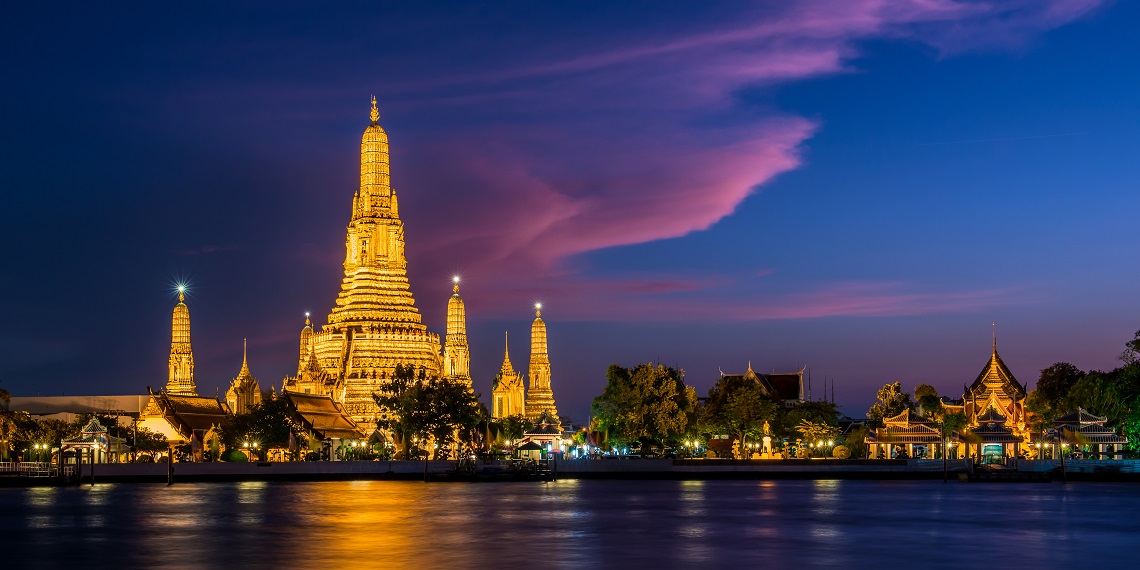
<point x="365" y="524"/>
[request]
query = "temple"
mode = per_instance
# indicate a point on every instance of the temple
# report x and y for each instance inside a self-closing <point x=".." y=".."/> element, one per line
<point x="456" y="355"/>
<point x="787" y="387"/>
<point x="181" y="378"/>
<point x="507" y="394"/>
<point x="374" y="324"/>
<point x="177" y="411"/>
<point x="539" y="396"/>
<point x="994" y="406"/>
<point x="244" y="392"/>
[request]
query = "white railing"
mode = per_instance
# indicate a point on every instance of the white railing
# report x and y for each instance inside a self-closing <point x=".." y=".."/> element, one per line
<point x="28" y="468"/>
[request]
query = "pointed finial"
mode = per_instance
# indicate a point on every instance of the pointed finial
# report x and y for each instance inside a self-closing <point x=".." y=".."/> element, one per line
<point x="307" y="323"/>
<point x="537" y="310"/>
<point x="181" y="292"/>
<point x="994" y="332"/>
<point x="455" y="281"/>
<point x="244" y="351"/>
<point x="749" y="364"/>
<point x="506" y="342"/>
<point x="375" y="114"/>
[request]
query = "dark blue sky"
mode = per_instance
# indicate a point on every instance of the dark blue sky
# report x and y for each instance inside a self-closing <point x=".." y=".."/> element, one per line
<point x="855" y="188"/>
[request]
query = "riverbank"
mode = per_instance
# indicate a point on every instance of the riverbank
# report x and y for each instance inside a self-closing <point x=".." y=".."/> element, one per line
<point x="616" y="469"/>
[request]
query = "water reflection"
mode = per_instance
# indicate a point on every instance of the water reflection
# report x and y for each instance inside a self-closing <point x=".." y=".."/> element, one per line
<point x="569" y="524"/>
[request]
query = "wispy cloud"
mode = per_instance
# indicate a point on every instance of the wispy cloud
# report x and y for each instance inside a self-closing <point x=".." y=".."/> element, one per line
<point x="518" y="204"/>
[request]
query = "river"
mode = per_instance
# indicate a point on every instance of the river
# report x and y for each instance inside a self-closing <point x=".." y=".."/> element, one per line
<point x="572" y="524"/>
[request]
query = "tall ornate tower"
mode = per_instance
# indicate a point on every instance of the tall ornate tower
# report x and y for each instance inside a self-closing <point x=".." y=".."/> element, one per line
<point x="181" y="364"/>
<point x="508" y="394"/>
<point x="374" y="324"/>
<point x="244" y="391"/>
<point x="456" y="356"/>
<point x="539" y="397"/>
<point x="306" y="348"/>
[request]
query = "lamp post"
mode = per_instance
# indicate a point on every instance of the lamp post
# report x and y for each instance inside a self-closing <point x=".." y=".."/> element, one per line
<point x="1064" y="475"/>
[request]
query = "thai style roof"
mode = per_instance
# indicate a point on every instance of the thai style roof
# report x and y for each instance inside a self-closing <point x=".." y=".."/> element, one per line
<point x="93" y="427"/>
<point x="996" y="375"/>
<point x="1079" y="417"/>
<point x="1091" y="433"/>
<point x="784" y="385"/>
<point x="545" y="430"/>
<point x="991" y="416"/>
<point x="546" y="425"/>
<point x="906" y="427"/>
<point x="996" y="433"/>
<point x="531" y="446"/>
<point x="913" y="435"/>
<point x="323" y="416"/>
<point x="907" y="417"/>
<point x="92" y="435"/>
<point x="188" y="414"/>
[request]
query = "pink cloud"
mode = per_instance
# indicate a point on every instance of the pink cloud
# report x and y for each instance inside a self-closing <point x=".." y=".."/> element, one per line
<point x="513" y="208"/>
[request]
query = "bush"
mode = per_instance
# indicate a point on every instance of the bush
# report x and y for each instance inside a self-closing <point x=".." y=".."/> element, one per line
<point x="235" y="456"/>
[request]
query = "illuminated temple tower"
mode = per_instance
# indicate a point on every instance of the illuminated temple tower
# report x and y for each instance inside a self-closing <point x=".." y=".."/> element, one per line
<point x="456" y="356"/>
<point x="374" y="324"/>
<point x="508" y="393"/>
<point x="181" y="378"/>
<point x="244" y="392"/>
<point x="539" y="397"/>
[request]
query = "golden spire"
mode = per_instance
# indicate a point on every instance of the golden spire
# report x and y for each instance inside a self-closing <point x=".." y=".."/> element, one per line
<point x="539" y="398"/>
<point x="507" y="369"/>
<point x="306" y="347"/>
<point x="180" y="380"/>
<point x="375" y="113"/>
<point x="456" y="354"/>
<point x="244" y="362"/>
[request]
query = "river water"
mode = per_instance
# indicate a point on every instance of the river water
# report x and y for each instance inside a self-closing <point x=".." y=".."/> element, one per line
<point x="573" y="524"/>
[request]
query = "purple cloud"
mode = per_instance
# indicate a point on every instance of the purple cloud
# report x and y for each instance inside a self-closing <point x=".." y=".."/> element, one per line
<point x="523" y="203"/>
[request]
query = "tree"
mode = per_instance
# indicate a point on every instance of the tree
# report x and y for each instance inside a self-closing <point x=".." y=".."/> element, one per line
<point x="929" y="404"/>
<point x="416" y="407"/>
<point x="1055" y="382"/>
<point x="403" y="409"/>
<point x="812" y="432"/>
<point x="892" y="402"/>
<point x="267" y="424"/>
<point x="646" y="403"/>
<point x="1131" y="354"/>
<point x="512" y="428"/>
<point x="1098" y="393"/>
<point x="738" y="407"/>
<point x="454" y="412"/>
<point x="856" y="441"/>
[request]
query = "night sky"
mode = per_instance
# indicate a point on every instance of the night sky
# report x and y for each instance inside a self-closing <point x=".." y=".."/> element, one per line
<point x="849" y="186"/>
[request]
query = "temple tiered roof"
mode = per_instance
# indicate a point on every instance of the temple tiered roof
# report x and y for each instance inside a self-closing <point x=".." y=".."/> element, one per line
<point x="323" y="416"/>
